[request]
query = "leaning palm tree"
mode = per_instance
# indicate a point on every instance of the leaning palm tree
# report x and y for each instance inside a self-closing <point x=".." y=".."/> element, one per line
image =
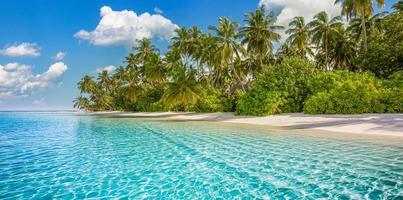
<point x="259" y="33"/>
<point x="81" y="103"/>
<point x="362" y="9"/>
<point x="299" y="36"/>
<point x="228" y="49"/>
<point x="322" y="30"/>
<point x="183" y="90"/>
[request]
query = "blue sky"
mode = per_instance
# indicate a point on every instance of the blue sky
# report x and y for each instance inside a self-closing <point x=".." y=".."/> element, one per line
<point x="33" y="32"/>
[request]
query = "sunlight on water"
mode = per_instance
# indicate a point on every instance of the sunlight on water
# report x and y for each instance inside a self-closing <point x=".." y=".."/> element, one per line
<point x="45" y="156"/>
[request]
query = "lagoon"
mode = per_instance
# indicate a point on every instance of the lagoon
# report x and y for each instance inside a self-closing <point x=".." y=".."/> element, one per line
<point x="69" y="156"/>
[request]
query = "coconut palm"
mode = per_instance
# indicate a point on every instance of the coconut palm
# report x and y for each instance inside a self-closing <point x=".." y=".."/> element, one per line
<point x="362" y="9"/>
<point x="299" y="34"/>
<point x="154" y="70"/>
<point x="228" y="49"/>
<point x="398" y="6"/>
<point x="373" y="23"/>
<point x="322" y="30"/>
<point x="145" y="49"/>
<point x="183" y="90"/>
<point x="81" y="103"/>
<point x="259" y="33"/>
<point x="87" y="85"/>
<point x="343" y="50"/>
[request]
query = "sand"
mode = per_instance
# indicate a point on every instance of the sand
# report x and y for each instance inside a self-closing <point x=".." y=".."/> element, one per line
<point x="375" y="124"/>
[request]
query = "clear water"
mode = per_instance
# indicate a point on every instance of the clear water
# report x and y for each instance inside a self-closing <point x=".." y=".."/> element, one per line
<point x="63" y="156"/>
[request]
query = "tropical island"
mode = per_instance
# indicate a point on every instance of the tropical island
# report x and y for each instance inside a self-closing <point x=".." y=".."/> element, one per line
<point x="323" y="67"/>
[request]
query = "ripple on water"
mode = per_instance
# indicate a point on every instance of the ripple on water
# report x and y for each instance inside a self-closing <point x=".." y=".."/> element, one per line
<point x="75" y="157"/>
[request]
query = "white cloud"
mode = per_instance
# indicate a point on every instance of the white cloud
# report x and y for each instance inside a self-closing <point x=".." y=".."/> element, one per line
<point x="17" y="80"/>
<point x="59" y="56"/>
<point x="109" y="69"/>
<point x="305" y="8"/>
<point x="21" y="50"/>
<point x="158" y="10"/>
<point x="125" y="27"/>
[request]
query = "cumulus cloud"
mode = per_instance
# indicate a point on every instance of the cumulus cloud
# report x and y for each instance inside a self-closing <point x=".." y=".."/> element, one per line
<point x="59" y="56"/>
<point x="125" y="27"/>
<point x="21" y="50"/>
<point x="17" y="80"/>
<point x="305" y="8"/>
<point x="109" y="69"/>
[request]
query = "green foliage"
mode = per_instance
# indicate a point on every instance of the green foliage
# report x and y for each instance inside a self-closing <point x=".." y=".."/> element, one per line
<point x="349" y="97"/>
<point x="342" y="92"/>
<point x="260" y="103"/>
<point x="385" y="49"/>
<point x="281" y="88"/>
<point x="326" y="81"/>
<point x="200" y="71"/>
<point x="210" y="101"/>
<point x="149" y="101"/>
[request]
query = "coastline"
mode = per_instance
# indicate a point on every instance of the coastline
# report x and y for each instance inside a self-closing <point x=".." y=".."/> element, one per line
<point x="369" y="124"/>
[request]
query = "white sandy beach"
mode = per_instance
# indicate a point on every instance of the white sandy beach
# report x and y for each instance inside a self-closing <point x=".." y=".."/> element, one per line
<point x="375" y="124"/>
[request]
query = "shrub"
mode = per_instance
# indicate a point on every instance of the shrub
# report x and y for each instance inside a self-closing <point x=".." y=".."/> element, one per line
<point x="149" y="100"/>
<point x="348" y="97"/>
<point x="260" y="104"/>
<point x="392" y="98"/>
<point x="210" y="101"/>
<point x="326" y="81"/>
<point x="280" y="88"/>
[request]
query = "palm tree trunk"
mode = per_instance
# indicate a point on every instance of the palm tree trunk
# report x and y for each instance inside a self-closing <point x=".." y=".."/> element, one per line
<point x="326" y="57"/>
<point x="364" y="31"/>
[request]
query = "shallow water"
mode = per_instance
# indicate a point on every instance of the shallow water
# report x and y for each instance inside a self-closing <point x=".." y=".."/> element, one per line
<point x="65" y="156"/>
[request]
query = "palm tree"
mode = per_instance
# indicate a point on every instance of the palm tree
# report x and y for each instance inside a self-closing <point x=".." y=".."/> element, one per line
<point x="299" y="36"/>
<point x="81" y="103"/>
<point x="260" y="33"/>
<point x="228" y="49"/>
<point x="322" y="31"/>
<point x="398" y="6"/>
<point x="155" y="70"/>
<point x="373" y="23"/>
<point x="183" y="90"/>
<point x="362" y="9"/>
<point x="87" y="85"/>
<point x="343" y="50"/>
<point x="145" y="49"/>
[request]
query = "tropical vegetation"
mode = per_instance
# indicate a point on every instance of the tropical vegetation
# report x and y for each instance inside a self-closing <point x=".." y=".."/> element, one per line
<point x="323" y="66"/>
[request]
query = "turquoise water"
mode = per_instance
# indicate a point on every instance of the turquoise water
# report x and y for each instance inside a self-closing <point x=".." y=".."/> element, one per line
<point x="64" y="156"/>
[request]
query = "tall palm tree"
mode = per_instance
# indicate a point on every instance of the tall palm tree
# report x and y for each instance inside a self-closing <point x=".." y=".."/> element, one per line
<point x="299" y="36"/>
<point x="343" y="50"/>
<point x="362" y="9"/>
<point x="322" y="31"/>
<point x="228" y="49"/>
<point x="373" y="23"/>
<point x="87" y="85"/>
<point x="145" y="49"/>
<point x="81" y="103"/>
<point x="155" y="70"/>
<point x="259" y="33"/>
<point x="183" y="90"/>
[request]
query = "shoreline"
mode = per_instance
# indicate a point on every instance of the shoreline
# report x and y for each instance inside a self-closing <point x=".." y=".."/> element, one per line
<point x="368" y="124"/>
